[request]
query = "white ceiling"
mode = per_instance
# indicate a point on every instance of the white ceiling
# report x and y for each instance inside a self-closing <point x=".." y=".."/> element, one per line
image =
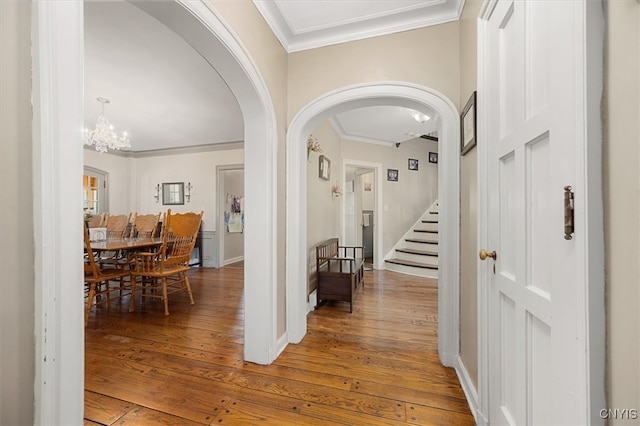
<point x="308" y="24"/>
<point x="165" y="95"/>
<point x="162" y="92"/>
<point x="384" y="125"/>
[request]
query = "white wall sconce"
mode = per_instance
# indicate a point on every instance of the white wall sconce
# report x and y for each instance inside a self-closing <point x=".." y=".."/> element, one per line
<point x="157" y="194"/>
<point x="187" y="192"/>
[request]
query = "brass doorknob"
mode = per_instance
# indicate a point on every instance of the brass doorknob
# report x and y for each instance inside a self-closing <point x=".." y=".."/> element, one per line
<point x="484" y="255"/>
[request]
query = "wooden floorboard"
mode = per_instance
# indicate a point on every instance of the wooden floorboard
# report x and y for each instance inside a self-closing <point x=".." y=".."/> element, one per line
<point x="376" y="366"/>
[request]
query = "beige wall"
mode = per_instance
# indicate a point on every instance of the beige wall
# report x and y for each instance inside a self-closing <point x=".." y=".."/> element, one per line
<point x="415" y="191"/>
<point x="323" y="211"/>
<point x="427" y="56"/>
<point x="468" y="199"/>
<point x="17" y="355"/>
<point x="199" y="169"/>
<point x="145" y="173"/>
<point x="621" y="165"/>
<point x="407" y="199"/>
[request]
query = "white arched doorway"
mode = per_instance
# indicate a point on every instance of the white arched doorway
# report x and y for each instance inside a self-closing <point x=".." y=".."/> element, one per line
<point x="57" y="163"/>
<point x="380" y="93"/>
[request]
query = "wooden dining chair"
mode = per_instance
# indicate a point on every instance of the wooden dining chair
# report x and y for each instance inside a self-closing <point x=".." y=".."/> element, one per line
<point x="97" y="279"/>
<point x="145" y="225"/>
<point x="96" y="221"/>
<point x="163" y="272"/>
<point x="117" y="225"/>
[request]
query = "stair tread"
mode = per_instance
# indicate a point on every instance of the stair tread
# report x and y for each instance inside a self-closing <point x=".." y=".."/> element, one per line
<point x="420" y="240"/>
<point x="428" y="231"/>
<point x="411" y="263"/>
<point x="429" y="221"/>
<point x="433" y="212"/>
<point x="419" y="252"/>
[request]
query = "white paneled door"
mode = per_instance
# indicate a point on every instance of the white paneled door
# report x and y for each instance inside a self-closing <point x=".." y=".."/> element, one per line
<point x="534" y="94"/>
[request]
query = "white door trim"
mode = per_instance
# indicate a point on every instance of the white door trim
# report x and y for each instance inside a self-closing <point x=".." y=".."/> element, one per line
<point x="57" y="33"/>
<point x="378" y="222"/>
<point x="220" y="205"/>
<point x="345" y="98"/>
<point x="588" y="207"/>
<point x="57" y="93"/>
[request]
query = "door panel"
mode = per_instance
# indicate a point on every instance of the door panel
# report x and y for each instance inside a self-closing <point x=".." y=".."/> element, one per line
<point x="508" y="380"/>
<point x="509" y="56"/>
<point x="508" y="224"/>
<point x="537" y="58"/>
<point x="538" y="185"/>
<point x="531" y="144"/>
<point x="538" y="359"/>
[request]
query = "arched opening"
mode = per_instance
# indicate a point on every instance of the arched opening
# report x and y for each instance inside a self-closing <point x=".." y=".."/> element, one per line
<point x="200" y="27"/>
<point x="383" y="93"/>
<point x="58" y="52"/>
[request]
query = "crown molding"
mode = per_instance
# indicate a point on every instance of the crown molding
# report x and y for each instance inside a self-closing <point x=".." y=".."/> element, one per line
<point x="337" y="126"/>
<point x="195" y="149"/>
<point x="431" y="13"/>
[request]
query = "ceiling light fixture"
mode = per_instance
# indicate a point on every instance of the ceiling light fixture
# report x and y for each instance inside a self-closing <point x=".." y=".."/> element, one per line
<point x="419" y="117"/>
<point x="103" y="136"/>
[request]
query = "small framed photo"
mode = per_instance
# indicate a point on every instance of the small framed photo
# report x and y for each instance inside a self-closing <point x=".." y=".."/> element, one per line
<point x="468" y="125"/>
<point x="392" y="175"/>
<point x="413" y="164"/>
<point x="433" y="157"/>
<point x="324" y="168"/>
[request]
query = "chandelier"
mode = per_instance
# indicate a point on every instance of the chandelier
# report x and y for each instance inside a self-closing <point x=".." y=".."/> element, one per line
<point x="103" y="136"/>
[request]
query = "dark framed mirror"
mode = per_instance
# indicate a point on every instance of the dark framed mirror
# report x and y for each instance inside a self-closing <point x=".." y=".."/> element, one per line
<point x="173" y="193"/>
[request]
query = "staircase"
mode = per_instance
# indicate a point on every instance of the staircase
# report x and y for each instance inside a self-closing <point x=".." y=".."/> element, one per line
<point x="417" y="253"/>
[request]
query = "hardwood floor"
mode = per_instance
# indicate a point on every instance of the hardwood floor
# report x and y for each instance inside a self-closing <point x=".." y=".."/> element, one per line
<point x="376" y="366"/>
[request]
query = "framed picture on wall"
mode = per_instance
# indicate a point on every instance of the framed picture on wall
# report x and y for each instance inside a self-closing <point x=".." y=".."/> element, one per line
<point x="324" y="166"/>
<point x="392" y="175"/>
<point x="173" y="193"/>
<point x="433" y="157"/>
<point x="413" y="164"/>
<point x="468" y="125"/>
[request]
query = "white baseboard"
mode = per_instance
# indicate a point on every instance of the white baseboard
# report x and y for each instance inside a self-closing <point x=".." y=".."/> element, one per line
<point x="313" y="301"/>
<point x="469" y="391"/>
<point x="209" y="263"/>
<point x="233" y="260"/>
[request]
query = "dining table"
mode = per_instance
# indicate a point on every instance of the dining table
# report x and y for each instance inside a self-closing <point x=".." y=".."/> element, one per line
<point x="126" y="244"/>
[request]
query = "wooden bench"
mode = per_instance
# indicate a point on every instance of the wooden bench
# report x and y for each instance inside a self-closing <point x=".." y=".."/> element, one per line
<point x="340" y="270"/>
